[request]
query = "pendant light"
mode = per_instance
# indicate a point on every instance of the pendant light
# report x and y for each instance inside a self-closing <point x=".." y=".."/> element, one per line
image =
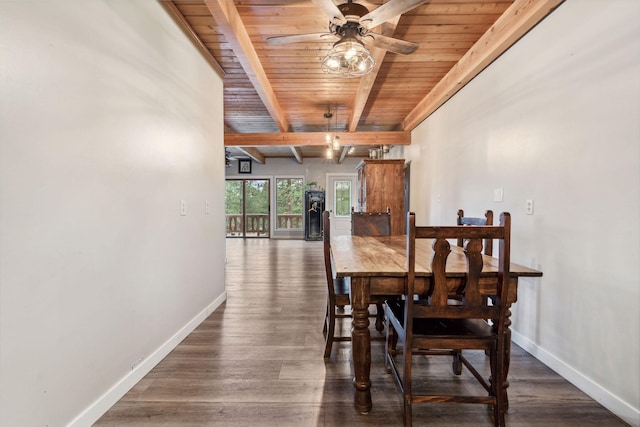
<point x="329" y="151"/>
<point x="335" y="145"/>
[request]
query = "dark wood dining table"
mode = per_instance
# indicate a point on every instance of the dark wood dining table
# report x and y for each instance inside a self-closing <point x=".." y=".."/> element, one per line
<point x="377" y="266"/>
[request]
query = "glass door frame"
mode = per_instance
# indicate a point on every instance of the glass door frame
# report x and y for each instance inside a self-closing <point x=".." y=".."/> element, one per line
<point x="244" y="209"/>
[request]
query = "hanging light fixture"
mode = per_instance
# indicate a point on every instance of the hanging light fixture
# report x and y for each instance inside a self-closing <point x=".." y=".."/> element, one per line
<point x="328" y="116"/>
<point x="335" y="145"/>
<point x="329" y="150"/>
<point x="348" y="57"/>
<point x="328" y="153"/>
<point x="333" y="142"/>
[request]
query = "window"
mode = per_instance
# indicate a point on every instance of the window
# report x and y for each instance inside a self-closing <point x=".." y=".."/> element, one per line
<point x="289" y="200"/>
<point x="342" y="202"/>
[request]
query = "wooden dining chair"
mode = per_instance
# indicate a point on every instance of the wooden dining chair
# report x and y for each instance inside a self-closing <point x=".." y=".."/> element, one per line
<point x="372" y="224"/>
<point x="337" y="295"/>
<point x="433" y="322"/>
<point x="468" y="220"/>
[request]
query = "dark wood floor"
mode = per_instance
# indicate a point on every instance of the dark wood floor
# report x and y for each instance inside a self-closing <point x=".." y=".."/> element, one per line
<point x="257" y="361"/>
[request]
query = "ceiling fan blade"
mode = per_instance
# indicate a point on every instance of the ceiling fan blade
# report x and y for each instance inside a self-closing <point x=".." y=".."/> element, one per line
<point x="331" y="10"/>
<point x="388" y="11"/>
<point x="313" y="37"/>
<point x="391" y="44"/>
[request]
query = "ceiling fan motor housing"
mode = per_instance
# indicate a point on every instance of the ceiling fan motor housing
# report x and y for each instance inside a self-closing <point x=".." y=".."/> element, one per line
<point x="353" y="11"/>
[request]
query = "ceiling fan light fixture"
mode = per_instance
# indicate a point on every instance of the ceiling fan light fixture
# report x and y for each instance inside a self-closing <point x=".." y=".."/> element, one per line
<point x="348" y="58"/>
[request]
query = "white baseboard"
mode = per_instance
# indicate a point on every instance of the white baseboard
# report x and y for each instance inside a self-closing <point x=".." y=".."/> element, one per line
<point x="115" y="393"/>
<point x="610" y="401"/>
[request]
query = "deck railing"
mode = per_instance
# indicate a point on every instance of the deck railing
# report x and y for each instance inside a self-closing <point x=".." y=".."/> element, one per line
<point x="288" y="221"/>
<point x="258" y="224"/>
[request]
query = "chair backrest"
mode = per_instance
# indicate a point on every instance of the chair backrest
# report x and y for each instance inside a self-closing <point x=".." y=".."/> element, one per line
<point x="326" y="232"/>
<point x="471" y="303"/>
<point x="468" y="220"/>
<point x="371" y="223"/>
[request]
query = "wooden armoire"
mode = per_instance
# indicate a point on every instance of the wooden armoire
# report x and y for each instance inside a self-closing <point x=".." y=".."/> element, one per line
<point x="381" y="186"/>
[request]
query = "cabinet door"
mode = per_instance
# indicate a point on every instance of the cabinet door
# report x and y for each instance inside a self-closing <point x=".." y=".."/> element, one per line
<point x="381" y="186"/>
<point x="378" y="187"/>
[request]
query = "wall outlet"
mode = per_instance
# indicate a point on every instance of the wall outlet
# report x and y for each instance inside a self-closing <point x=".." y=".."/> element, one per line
<point x="183" y="207"/>
<point x="529" y="209"/>
<point x="207" y="207"/>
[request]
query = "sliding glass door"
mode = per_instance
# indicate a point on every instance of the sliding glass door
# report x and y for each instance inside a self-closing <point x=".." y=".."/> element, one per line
<point x="247" y="207"/>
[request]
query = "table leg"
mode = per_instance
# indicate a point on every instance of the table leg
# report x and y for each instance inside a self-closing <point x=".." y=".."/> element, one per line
<point x="361" y="343"/>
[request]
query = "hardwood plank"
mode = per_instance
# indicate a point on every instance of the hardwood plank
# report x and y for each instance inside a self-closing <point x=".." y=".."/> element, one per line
<point x="257" y="361"/>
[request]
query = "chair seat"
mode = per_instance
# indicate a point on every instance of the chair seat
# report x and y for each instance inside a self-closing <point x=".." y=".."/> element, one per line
<point x="443" y="328"/>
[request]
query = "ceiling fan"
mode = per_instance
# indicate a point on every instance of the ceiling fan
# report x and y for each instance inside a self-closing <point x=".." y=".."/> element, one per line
<point x="354" y="21"/>
<point x="228" y="157"/>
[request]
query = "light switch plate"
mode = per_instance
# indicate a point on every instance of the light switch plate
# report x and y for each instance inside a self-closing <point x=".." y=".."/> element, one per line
<point x="498" y="194"/>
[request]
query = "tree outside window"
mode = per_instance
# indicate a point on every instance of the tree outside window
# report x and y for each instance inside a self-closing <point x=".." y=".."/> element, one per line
<point x="289" y="200"/>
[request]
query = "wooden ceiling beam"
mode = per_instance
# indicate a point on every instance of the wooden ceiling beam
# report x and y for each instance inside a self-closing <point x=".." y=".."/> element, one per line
<point x="297" y="153"/>
<point x="186" y="28"/>
<point x="315" y="139"/>
<point x="367" y="81"/>
<point x="226" y="16"/>
<point x="516" y="21"/>
<point x="343" y="154"/>
<point x="254" y="153"/>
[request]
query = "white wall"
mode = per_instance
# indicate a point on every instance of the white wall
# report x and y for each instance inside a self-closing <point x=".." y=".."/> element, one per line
<point x="109" y="117"/>
<point x="556" y="119"/>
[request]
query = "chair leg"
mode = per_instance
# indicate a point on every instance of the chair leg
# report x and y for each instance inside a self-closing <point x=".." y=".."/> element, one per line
<point x="387" y="349"/>
<point x="326" y="320"/>
<point x="497" y="387"/>
<point x="498" y="415"/>
<point x="330" y="333"/>
<point x="391" y="343"/>
<point x="407" y="412"/>
<point x="456" y="365"/>
<point x="499" y="409"/>
<point x="379" y="317"/>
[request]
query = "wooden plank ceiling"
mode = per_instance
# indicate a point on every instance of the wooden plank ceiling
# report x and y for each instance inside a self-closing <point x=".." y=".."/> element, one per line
<point x="276" y="95"/>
